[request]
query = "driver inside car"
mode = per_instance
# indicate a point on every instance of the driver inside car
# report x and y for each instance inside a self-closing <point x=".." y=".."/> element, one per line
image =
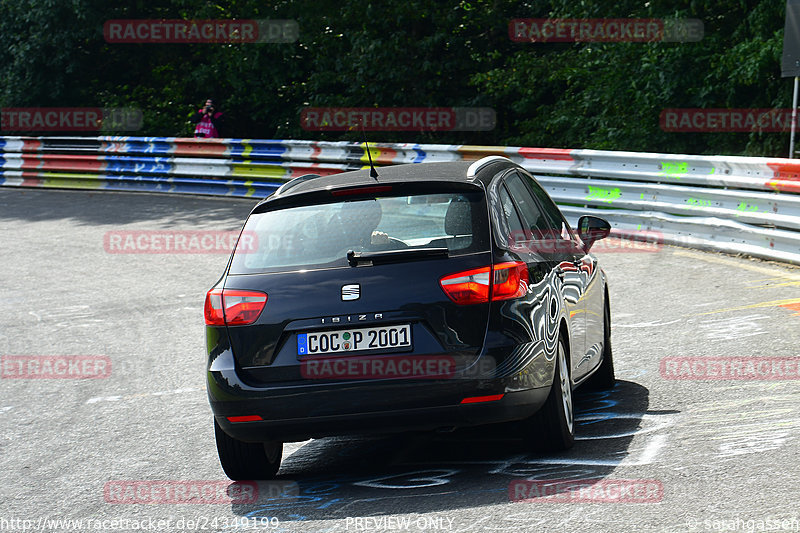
<point x="357" y="223"/>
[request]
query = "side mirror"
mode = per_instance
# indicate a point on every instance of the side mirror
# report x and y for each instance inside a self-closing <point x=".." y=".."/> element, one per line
<point x="591" y="229"/>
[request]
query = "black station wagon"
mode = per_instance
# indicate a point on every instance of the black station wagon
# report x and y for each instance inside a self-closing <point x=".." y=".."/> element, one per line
<point x="426" y="297"/>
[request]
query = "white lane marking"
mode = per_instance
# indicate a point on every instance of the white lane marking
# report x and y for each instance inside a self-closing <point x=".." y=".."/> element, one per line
<point x="661" y="422"/>
<point x="292" y="448"/>
<point x="140" y="395"/>
<point x="652" y="449"/>
<point x="737" y="327"/>
<point x="648" y="455"/>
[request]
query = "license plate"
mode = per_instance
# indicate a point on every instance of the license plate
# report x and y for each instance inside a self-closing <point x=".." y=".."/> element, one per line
<point x="354" y="340"/>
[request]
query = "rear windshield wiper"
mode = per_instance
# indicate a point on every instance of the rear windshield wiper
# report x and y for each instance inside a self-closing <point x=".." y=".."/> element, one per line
<point x="390" y="256"/>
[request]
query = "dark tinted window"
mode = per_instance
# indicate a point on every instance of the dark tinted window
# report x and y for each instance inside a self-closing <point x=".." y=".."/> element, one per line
<point x="511" y="217"/>
<point x="549" y="208"/>
<point x="321" y="235"/>
<point x="536" y="224"/>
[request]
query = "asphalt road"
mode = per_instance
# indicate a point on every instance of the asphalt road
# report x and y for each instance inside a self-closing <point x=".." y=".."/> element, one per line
<point x="670" y="454"/>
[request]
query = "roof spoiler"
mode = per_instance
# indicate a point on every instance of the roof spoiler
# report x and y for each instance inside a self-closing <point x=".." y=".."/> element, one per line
<point x="476" y="167"/>
<point x="294" y="182"/>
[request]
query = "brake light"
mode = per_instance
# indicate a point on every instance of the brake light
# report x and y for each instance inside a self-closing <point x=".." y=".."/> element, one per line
<point x="481" y="399"/>
<point x="245" y="418"/>
<point x="233" y="307"/>
<point x="213" y="308"/>
<point x="509" y="280"/>
<point x="468" y="287"/>
<point x="372" y="189"/>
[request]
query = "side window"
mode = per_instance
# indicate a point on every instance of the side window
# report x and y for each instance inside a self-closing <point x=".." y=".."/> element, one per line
<point x="534" y="221"/>
<point x="511" y="216"/>
<point x="550" y="209"/>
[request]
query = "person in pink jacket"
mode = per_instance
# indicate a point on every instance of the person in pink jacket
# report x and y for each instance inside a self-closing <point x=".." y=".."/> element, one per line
<point x="208" y="120"/>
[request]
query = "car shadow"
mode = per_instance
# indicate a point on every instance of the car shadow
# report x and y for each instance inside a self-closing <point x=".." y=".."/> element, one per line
<point x="429" y="472"/>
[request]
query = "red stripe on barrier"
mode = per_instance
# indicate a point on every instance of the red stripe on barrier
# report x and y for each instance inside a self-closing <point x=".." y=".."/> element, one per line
<point x="785" y="177"/>
<point x="316" y="150"/>
<point x="31" y="145"/>
<point x="784" y="186"/>
<point x="313" y="169"/>
<point x="386" y="156"/>
<point x="201" y="147"/>
<point x="31" y="161"/>
<point x="70" y="162"/>
<point x="31" y="179"/>
<point x="561" y="154"/>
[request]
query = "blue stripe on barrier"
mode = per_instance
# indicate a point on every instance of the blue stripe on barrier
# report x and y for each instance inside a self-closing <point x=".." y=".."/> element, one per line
<point x="137" y="145"/>
<point x="190" y="186"/>
<point x="145" y="147"/>
<point x="257" y="148"/>
<point x="420" y="157"/>
<point x="143" y="165"/>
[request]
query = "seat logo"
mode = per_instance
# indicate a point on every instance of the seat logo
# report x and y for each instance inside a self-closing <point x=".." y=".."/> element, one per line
<point x="351" y="292"/>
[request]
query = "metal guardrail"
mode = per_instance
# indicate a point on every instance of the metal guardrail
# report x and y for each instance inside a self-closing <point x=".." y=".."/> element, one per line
<point x="745" y="205"/>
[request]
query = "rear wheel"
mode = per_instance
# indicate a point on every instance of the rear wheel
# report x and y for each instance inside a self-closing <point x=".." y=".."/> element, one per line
<point x="247" y="460"/>
<point x="604" y="378"/>
<point x="552" y="428"/>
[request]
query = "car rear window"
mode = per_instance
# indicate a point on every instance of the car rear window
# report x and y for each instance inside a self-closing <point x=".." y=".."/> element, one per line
<point x="320" y="235"/>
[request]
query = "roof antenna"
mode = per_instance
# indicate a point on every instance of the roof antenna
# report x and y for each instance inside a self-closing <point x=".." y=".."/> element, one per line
<point x="372" y="172"/>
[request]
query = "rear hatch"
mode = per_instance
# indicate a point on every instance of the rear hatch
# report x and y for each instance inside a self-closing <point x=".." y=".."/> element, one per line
<point x="357" y="282"/>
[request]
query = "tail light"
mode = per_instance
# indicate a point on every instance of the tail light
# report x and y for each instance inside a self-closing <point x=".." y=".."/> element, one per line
<point x="233" y="307"/>
<point x="509" y="280"/>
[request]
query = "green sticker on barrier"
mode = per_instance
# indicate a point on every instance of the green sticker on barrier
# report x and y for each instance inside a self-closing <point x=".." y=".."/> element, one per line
<point x="674" y="170"/>
<point x="744" y="207"/>
<point x="605" y="195"/>
<point x="697" y="202"/>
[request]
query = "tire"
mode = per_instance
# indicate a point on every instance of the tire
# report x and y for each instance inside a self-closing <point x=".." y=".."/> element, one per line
<point x="552" y="428"/>
<point x="604" y="378"/>
<point x="244" y="461"/>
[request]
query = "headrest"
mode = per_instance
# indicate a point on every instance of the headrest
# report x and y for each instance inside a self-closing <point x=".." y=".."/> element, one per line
<point x="458" y="220"/>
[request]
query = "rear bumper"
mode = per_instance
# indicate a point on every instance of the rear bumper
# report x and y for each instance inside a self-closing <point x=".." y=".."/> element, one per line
<point x="287" y="428"/>
<point x="302" y="411"/>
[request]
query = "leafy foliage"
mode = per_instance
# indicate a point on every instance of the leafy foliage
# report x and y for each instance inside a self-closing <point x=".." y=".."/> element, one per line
<point x="413" y="53"/>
